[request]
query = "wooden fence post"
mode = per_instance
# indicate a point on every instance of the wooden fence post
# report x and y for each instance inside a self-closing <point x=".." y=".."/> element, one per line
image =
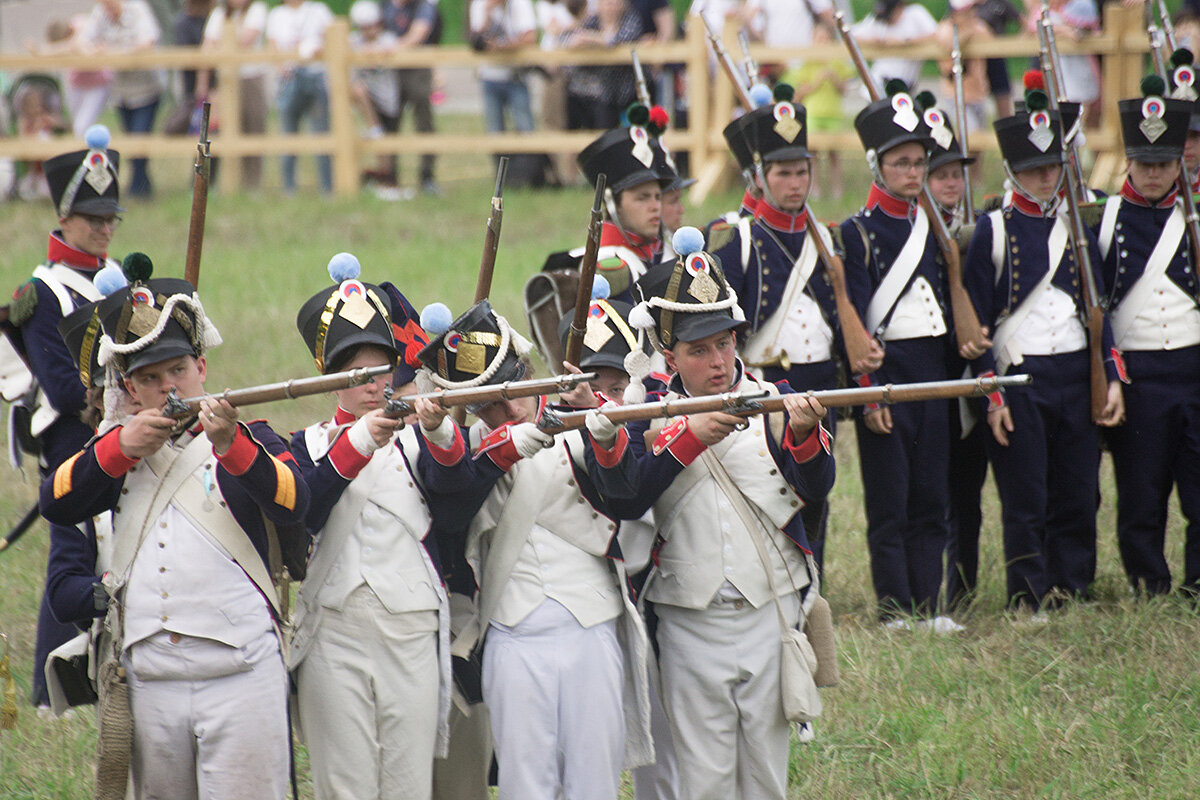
<point x="229" y="103"/>
<point x="1121" y="74"/>
<point x="341" y="115"/>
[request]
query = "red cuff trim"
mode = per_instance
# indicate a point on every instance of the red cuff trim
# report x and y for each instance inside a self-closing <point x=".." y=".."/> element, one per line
<point x="450" y="456"/>
<point x="610" y="458"/>
<point x="240" y="455"/>
<point x="499" y="447"/>
<point x="1119" y="364"/>
<point x="808" y="449"/>
<point x="678" y="439"/>
<point x="345" y="458"/>
<point x="865" y="381"/>
<point x="109" y="455"/>
<point x="996" y="398"/>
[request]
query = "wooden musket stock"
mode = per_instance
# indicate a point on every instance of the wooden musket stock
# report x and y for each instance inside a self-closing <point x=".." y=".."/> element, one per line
<point x="587" y="275"/>
<point x="195" y="242"/>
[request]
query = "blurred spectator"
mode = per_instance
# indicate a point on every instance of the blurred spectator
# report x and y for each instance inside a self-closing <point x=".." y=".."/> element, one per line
<point x="657" y="18"/>
<point x="499" y="26"/>
<point x="415" y="23"/>
<point x="788" y="23"/>
<point x="37" y="103"/>
<point x="896" y="22"/>
<point x="188" y="31"/>
<point x="716" y="12"/>
<point x="975" y="84"/>
<point x="556" y="19"/>
<point x="300" y="25"/>
<point x="1072" y="21"/>
<point x="998" y="15"/>
<point x="129" y="26"/>
<point x="375" y="91"/>
<point x="249" y="21"/>
<point x="820" y="87"/>
<point x="597" y="96"/>
<point x="86" y="89"/>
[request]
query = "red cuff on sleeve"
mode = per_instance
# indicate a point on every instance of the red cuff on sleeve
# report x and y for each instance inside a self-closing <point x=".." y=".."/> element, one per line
<point x="996" y="398"/>
<point x="448" y="457"/>
<point x="240" y="455"/>
<point x="345" y="457"/>
<point x="109" y="455"/>
<point x="610" y="458"/>
<point x="498" y="446"/>
<point x="678" y="439"/>
<point x="865" y="381"/>
<point x="817" y="440"/>
<point x="1119" y="365"/>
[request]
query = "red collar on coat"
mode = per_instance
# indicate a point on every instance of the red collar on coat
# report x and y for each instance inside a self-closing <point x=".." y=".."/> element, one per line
<point x="60" y="252"/>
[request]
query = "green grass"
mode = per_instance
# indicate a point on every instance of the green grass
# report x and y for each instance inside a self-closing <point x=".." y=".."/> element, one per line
<point x="1101" y="703"/>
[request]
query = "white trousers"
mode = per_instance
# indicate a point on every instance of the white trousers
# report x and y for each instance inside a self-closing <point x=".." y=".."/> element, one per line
<point x="216" y="737"/>
<point x="463" y="773"/>
<point x="368" y="701"/>
<point x="554" y="692"/>
<point x="719" y="670"/>
<point x="660" y="780"/>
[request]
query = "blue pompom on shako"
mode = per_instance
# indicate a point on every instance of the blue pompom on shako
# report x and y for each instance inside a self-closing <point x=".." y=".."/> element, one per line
<point x="86" y="181"/>
<point x="477" y="348"/>
<point x="81" y="329"/>
<point x="688" y="299"/>
<point x="338" y="320"/>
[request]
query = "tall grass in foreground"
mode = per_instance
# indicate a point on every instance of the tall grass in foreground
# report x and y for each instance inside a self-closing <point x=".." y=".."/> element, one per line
<point x="1103" y="702"/>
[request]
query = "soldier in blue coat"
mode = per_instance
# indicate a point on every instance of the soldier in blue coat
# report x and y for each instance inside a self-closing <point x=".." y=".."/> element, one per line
<point x="897" y="281"/>
<point x="194" y="636"/>
<point x="86" y="193"/>
<point x="785" y="291"/>
<point x="1150" y="271"/>
<point x="1025" y="284"/>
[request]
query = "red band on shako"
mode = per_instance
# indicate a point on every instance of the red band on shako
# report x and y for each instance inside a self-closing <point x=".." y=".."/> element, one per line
<point x="352" y="287"/>
<point x="142" y="296"/>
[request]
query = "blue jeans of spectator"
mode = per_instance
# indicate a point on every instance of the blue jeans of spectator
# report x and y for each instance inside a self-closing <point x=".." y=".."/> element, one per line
<point x="512" y="95"/>
<point x="304" y="93"/>
<point x="139" y="120"/>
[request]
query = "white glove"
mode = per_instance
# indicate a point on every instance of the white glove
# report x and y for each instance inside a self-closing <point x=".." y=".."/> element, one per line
<point x="602" y="429"/>
<point x="361" y="438"/>
<point x="442" y="436"/>
<point x="528" y="439"/>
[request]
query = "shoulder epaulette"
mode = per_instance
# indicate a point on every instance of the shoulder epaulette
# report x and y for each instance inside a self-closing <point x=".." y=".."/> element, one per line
<point x="720" y="233"/>
<point x="1091" y="213"/>
<point x="23" y="303"/>
<point x="835" y="233"/>
<point x="992" y="202"/>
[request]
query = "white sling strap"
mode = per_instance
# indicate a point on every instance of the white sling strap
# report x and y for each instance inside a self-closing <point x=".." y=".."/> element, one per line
<point x="764" y="345"/>
<point x="1005" y="349"/>
<point x="894" y="282"/>
<point x="1156" y="267"/>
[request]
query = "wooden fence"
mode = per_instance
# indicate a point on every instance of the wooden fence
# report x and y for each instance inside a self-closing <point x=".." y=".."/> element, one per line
<point x="1122" y="46"/>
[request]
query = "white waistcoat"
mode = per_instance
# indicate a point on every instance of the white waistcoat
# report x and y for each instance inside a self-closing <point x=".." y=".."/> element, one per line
<point x="1052" y="327"/>
<point x="917" y="314"/>
<point x="1169" y="320"/>
<point x="706" y="543"/>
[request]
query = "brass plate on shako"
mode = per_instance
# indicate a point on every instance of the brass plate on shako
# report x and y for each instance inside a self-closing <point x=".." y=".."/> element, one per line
<point x="357" y="311"/>
<point x="470" y="358"/>
<point x="704" y="288"/>
<point x="787" y="128"/>
<point x="144" y="320"/>
<point x="596" y="334"/>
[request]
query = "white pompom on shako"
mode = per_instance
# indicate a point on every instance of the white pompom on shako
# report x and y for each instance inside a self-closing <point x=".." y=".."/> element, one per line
<point x="687" y="240"/>
<point x="97" y="137"/>
<point x="110" y="279"/>
<point x="436" y="319"/>
<point x="344" y="267"/>
<point x="640" y="317"/>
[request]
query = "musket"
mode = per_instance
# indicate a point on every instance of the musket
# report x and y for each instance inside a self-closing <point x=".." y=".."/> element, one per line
<point x="966" y="322"/>
<point x="18" y="530"/>
<point x="748" y="62"/>
<point x="960" y="121"/>
<point x="639" y="78"/>
<point x="749" y="404"/>
<point x="195" y="242"/>
<point x="855" y="336"/>
<point x="1052" y="69"/>
<point x="587" y="274"/>
<point x="509" y="390"/>
<point x="1183" y="183"/>
<point x="1076" y="229"/>
<point x="491" y="240"/>
<point x="270" y="392"/>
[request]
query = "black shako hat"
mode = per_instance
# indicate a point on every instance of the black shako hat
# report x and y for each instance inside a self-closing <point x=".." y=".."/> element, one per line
<point x="339" y="319"/>
<point x="777" y="130"/>
<point x="86" y="181"/>
<point x="476" y="349"/>
<point x="1154" y="127"/>
<point x="892" y="121"/>
<point x="946" y="147"/>
<point x="687" y="299"/>
<point x="627" y="157"/>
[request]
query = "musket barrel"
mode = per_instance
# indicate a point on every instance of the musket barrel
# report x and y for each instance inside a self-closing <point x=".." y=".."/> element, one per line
<point x="509" y="390"/>
<point x="761" y="403"/>
<point x="284" y="390"/>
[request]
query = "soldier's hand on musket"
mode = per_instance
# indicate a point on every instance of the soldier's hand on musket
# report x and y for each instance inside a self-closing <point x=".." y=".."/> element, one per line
<point x="879" y="421"/>
<point x="374" y="430"/>
<point x="1001" y="422"/>
<point x="973" y="350"/>
<point x="144" y="433"/>
<point x="1114" y="407"/>
<point x="804" y="413"/>
<point x="582" y="395"/>
<point x="219" y="420"/>
<point x="712" y="427"/>
<point x="430" y="413"/>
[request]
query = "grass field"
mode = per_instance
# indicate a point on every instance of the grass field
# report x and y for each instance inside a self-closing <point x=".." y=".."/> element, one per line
<point x="1103" y="702"/>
